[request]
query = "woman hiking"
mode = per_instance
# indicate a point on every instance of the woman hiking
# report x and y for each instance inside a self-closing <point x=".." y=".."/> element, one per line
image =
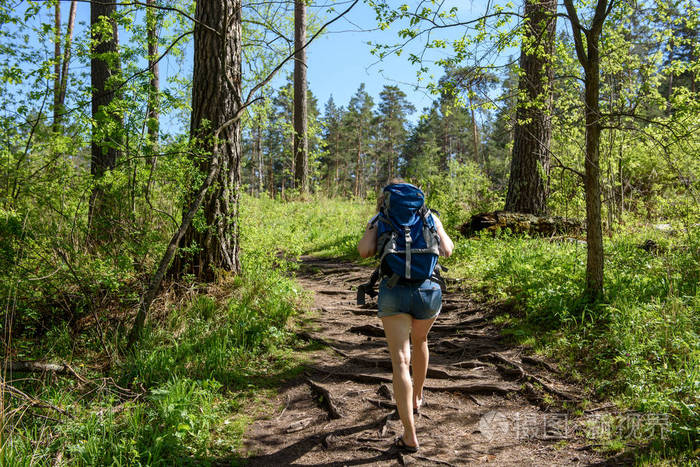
<point x="409" y="238"/>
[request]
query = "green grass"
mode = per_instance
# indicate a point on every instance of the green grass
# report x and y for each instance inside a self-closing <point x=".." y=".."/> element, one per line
<point x="203" y="362"/>
<point x="640" y="347"/>
<point x="323" y="227"/>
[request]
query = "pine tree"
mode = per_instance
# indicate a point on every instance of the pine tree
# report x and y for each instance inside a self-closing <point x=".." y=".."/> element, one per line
<point x="393" y="110"/>
<point x="357" y="123"/>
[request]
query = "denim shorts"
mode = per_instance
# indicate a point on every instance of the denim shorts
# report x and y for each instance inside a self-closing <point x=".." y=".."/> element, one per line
<point x="422" y="301"/>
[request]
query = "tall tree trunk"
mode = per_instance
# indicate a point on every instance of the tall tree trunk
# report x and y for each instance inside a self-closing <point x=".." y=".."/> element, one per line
<point x="292" y="181"/>
<point x="152" y="111"/>
<point x="57" y="68"/>
<point x="358" y="166"/>
<point x="390" y="157"/>
<point x="258" y="150"/>
<point x="301" y="143"/>
<point x="594" y="232"/>
<point x="216" y="99"/>
<point x="475" y="134"/>
<point x="336" y="184"/>
<point x="529" y="169"/>
<point x="445" y="156"/>
<point x="271" y="176"/>
<point x="107" y="129"/>
<point x="64" y="68"/>
<point x="589" y="58"/>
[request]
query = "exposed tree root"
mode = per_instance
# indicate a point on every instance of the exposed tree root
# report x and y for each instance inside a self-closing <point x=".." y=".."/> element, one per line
<point x="299" y="425"/>
<point x="382" y="404"/>
<point x="368" y="330"/>
<point x="327" y="399"/>
<point x="433" y="372"/>
<point x="538" y="361"/>
<point x="472" y="364"/>
<point x="522" y="374"/>
<point x="460" y="325"/>
<point x="385" y="391"/>
<point x="467" y="388"/>
<point x="306" y="336"/>
<point x="430" y="459"/>
<point x="363" y="312"/>
<point x="332" y="291"/>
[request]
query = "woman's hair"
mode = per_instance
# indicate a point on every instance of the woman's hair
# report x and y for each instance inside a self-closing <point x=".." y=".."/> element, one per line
<point x="380" y="196"/>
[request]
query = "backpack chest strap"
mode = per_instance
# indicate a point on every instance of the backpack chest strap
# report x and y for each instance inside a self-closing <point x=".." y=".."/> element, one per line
<point x="408" y="240"/>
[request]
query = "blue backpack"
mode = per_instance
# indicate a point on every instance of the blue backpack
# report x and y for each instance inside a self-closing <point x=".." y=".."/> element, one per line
<point x="407" y="240"/>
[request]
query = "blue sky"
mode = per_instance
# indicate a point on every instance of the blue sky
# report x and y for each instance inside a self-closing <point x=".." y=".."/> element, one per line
<point x="338" y="61"/>
<point x="341" y="59"/>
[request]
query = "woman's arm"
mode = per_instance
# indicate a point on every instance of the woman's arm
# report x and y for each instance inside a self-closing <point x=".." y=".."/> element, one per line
<point x="368" y="243"/>
<point x="446" y="245"/>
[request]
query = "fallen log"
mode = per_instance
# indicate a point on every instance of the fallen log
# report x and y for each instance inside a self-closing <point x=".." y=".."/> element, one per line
<point x="520" y="223"/>
<point x="27" y="366"/>
<point x="35" y="367"/>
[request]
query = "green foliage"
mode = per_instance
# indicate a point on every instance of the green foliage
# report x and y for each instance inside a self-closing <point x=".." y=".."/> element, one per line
<point x="226" y="342"/>
<point x="174" y="424"/>
<point x="198" y="363"/>
<point x="641" y="346"/>
<point x="461" y="194"/>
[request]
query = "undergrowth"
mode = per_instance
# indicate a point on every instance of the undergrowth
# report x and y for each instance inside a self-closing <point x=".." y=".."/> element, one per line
<point x="185" y="394"/>
<point x="639" y="347"/>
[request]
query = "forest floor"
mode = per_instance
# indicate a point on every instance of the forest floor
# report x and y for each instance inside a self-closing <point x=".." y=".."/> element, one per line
<point x="486" y="400"/>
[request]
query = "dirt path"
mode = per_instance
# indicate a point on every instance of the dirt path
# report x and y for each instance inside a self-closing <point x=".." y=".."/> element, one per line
<point x="486" y="401"/>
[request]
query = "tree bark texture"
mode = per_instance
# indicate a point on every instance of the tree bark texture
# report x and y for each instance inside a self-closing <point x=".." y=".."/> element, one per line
<point x="301" y="143"/>
<point x="258" y="151"/>
<point x="589" y="58"/>
<point x="216" y="98"/>
<point x="107" y="130"/>
<point x="64" y="66"/>
<point x="57" y="66"/>
<point x="152" y="112"/>
<point x="594" y="233"/>
<point x="529" y="170"/>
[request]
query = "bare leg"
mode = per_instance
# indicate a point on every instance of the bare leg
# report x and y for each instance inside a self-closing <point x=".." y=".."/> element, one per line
<point x="397" y="329"/>
<point x="420" y="357"/>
